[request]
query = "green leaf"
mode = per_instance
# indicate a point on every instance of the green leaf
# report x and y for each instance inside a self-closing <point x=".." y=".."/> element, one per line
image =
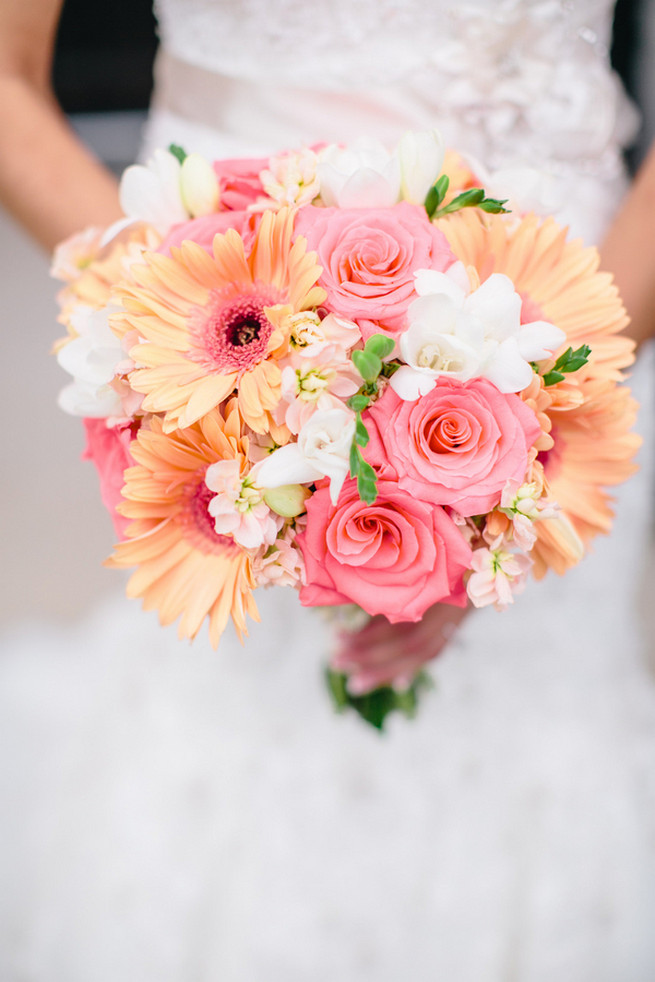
<point x="574" y="359"/>
<point x="361" y="433"/>
<point x="467" y="199"/>
<point x="367" y="364"/>
<point x="494" y="206"/>
<point x="473" y="198"/>
<point x="553" y="377"/>
<point x="374" y="707"/>
<point x="367" y="486"/>
<point x="436" y="194"/>
<point x="358" y="403"/>
<point x="355" y="457"/>
<point x="178" y="152"/>
<point x="570" y="361"/>
<point x="380" y="345"/>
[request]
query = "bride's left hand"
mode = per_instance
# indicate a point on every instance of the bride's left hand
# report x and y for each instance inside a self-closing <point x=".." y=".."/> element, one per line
<point x="381" y="653"/>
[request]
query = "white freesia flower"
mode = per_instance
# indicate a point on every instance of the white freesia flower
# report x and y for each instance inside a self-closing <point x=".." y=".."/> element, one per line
<point x="165" y="192"/>
<point x="92" y="358"/>
<point x="322" y="450"/>
<point x="463" y="334"/>
<point x="153" y="193"/>
<point x="367" y="175"/>
<point x="364" y="175"/>
<point x="421" y="159"/>
<point x="198" y="186"/>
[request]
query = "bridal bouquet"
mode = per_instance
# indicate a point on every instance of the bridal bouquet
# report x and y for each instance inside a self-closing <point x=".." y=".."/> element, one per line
<point x="348" y="371"/>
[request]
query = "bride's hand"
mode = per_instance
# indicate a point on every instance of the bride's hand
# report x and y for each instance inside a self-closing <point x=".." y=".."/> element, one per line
<point x="381" y="653"/>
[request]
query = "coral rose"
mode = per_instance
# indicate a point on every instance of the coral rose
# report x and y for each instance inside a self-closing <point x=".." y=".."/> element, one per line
<point x="109" y="449"/>
<point x="369" y="256"/>
<point x="396" y="557"/>
<point x="458" y="445"/>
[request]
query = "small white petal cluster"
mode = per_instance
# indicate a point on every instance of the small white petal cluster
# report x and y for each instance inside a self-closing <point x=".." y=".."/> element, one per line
<point x="312" y="337"/>
<point x="74" y="254"/>
<point x="319" y="384"/>
<point x="93" y="358"/>
<point x="238" y="507"/>
<point x="524" y="506"/>
<point x="367" y="175"/>
<point x="462" y="334"/>
<point x="281" y="564"/>
<point x="292" y="178"/>
<point x="498" y="575"/>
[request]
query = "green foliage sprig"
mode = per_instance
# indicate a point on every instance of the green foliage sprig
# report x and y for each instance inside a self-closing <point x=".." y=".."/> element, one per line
<point x="370" y="366"/>
<point x="570" y="361"/>
<point x="473" y="198"/>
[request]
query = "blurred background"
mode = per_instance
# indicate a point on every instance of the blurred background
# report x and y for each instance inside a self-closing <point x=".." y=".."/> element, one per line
<point x="54" y="529"/>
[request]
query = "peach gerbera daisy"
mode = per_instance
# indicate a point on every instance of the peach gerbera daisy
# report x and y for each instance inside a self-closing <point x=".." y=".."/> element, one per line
<point x="591" y="415"/>
<point x="184" y="566"/>
<point x="213" y="324"/>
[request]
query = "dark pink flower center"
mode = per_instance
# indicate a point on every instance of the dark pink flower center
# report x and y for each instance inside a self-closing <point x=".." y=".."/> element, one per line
<point x="231" y="332"/>
<point x="198" y="524"/>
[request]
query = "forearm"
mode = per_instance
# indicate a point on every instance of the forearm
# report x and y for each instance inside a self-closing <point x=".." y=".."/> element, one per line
<point x="48" y="180"/>
<point x="629" y="252"/>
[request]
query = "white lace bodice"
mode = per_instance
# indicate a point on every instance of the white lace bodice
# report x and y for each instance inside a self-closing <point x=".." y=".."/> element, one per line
<point x="341" y="43"/>
<point x="512" y="82"/>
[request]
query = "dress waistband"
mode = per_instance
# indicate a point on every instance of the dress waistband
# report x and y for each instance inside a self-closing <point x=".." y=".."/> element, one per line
<point x="277" y="117"/>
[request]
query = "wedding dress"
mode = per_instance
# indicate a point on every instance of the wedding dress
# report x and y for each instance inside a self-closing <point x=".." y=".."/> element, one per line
<point x="180" y="815"/>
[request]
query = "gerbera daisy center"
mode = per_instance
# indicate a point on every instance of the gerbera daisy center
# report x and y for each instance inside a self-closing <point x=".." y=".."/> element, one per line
<point x="243" y="330"/>
<point x="232" y="332"/>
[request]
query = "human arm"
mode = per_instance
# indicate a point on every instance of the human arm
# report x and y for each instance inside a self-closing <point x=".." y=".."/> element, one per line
<point x="629" y="252"/>
<point x="48" y="180"/>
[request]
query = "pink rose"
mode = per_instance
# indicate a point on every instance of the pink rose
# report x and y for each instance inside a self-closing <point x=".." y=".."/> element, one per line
<point x="369" y="257"/>
<point x="239" y="182"/>
<point x="396" y="557"/>
<point x="202" y="230"/>
<point x="458" y="445"/>
<point x="109" y="449"/>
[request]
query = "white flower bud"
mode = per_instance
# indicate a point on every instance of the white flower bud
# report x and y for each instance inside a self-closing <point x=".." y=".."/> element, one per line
<point x="198" y="186"/>
<point x="287" y="500"/>
<point x="421" y="159"/>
